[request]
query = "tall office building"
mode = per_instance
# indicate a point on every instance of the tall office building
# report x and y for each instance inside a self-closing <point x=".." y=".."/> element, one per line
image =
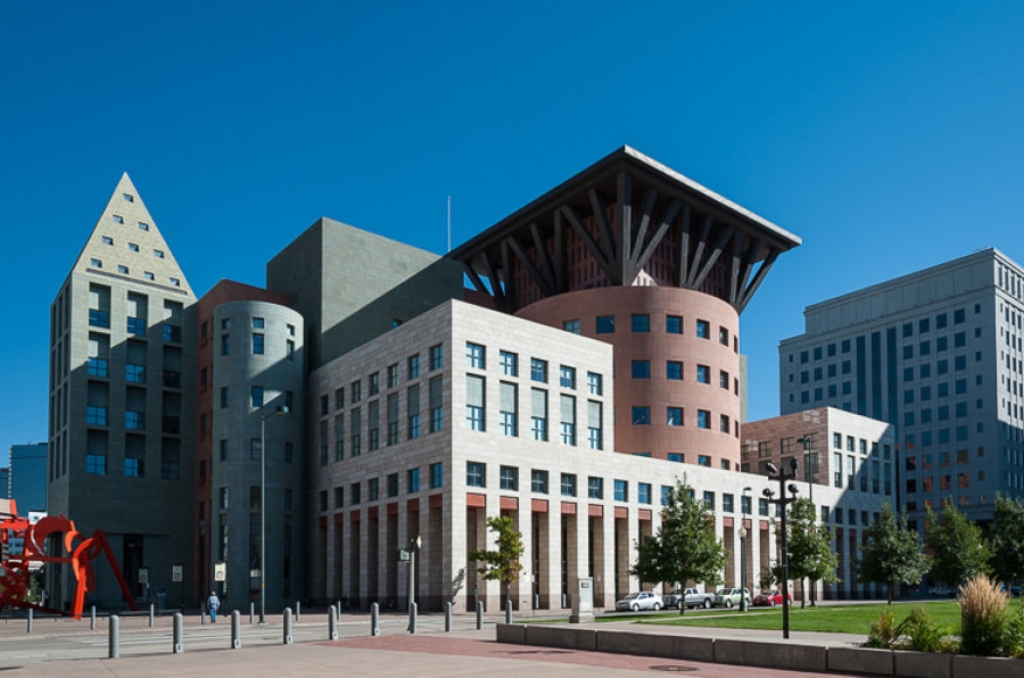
<point x="28" y="477"/>
<point x="122" y="400"/>
<point x="938" y="354"/>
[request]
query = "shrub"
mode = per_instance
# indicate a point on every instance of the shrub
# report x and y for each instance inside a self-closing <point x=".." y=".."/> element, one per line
<point x="922" y="635"/>
<point x="983" y="618"/>
<point x="1013" y="644"/>
<point x="883" y="633"/>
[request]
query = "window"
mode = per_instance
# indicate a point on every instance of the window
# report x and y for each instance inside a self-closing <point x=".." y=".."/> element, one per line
<point x="474" y="356"/>
<point x="568" y="484"/>
<point x="96" y="464"/>
<point x="148" y="275"/>
<point x="133" y="373"/>
<point x="509" y="479"/>
<point x="641" y="369"/>
<point x="392" y="375"/>
<point x="567" y="407"/>
<point x="703" y="419"/>
<point x="642" y="416"/>
<point x="339" y="497"/>
<point x="567" y="376"/>
<point x="476" y="474"/>
<point x="256" y="396"/>
<point x="134" y="421"/>
<point x="723" y="379"/>
<point x="225" y="344"/>
<point x="703" y="329"/>
<point x="595" y="488"/>
<point x="414" y="480"/>
<point x="641" y="322"/>
<point x="621" y="490"/>
<point x="539" y="414"/>
<point x="96" y="263"/>
<point x="355" y="493"/>
<point x="255" y="448"/>
<point x="159" y="254"/>
<point x="539" y="482"/>
<point x="709" y="500"/>
<point x="674" y="416"/>
<point x="572" y="326"/>
<point x="436" y="475"/>
<point x="703" y="374"/>
<point x="595" y="416"/>
<point x="643" y="493"/>
<point x="745" y="502"/>
<point x="594" y="383"/>
<point x="436" y="405"/>
<point x="413" y="366"/>
<point x="539" y="370"/>
<point x="723" y="423"/>
<point x="258" y="323"/>
<point x="674" y="324"/>
<point x="723" y="339"/>
<point x="605" y="324"/>
<point x="704" y="460"/>
<point x="762" y="506"/>
<point x="727" y="503"/>
<point x="475" y="402"/>
<point x="374" y="383"/>
<point x="674" y="370"/>
<point x="508" y="412"/>
<point x="509" y="363"/>
<point x="122" y="269"/>
<point x="437" y="357"/>
<point x="676" y="457"/>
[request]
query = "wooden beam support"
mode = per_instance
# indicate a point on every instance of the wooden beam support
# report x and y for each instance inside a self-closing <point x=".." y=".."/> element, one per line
<point x="734" y="268"/>
<point x="474" y="278"/>
<point x="543" y="259"/>
<point x="561" y="284"/>
<point x="684" y="247"/>
<point x="492" y="277"/>
<point x="531" y="267"/>
<point x="597" y="204"/>
<point x="624" y="234"/>
<point x="645" y="223"/>
<point x="511" y="293"/>
<point x="716" y="251"/>
<point x="588" y="240"/>
<point x="699" y="254"/>
<point x="753" y="252"/>
<point x="666" y="222"/>
<point x="762" y="271"/>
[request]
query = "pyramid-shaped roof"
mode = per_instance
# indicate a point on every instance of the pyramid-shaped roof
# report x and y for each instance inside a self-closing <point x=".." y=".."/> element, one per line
<point x="126" y="244"/>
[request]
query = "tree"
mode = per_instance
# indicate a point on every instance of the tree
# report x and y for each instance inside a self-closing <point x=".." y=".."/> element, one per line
<point x="685" y="547"/>
<point x="958" y="550"/>
<point x="893" y="553"/>
<point x="503" y="564"/>
<point x="809" y="547"/>
<point x="1008" y="540"/>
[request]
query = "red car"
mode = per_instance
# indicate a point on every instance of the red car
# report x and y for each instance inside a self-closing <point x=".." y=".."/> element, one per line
<point x="771" y="599"/>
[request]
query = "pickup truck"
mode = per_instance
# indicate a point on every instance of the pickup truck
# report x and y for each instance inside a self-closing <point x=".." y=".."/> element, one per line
<point x="695" y="598"/>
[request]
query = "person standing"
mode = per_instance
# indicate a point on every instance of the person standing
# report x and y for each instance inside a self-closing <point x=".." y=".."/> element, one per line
<point x="213" y="604"/>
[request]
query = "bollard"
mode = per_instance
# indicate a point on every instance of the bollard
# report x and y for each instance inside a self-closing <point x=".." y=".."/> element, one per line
<point x="447" y="617"/>
<point x="339" y="609"/>
<point x="412" y="618"/>
<point x="374" y="620"/>
<point x="179" y="646"/>
<point x="252" y="613"/>
<point x="92" y="618"/>
<point x="202" y="614"/>
<point x="236" y="630"/>
<point x="152" y="607"/>
<point x="31" y="618"/>
<point x="479" y="614"/>
<point x="298" y="611"/>
<point x="114" y="644"/>
<point x="508" y="611"/>
<point x="287" y="626"/>
<point x="332" y="624"/>
<point x="536" y="601"/>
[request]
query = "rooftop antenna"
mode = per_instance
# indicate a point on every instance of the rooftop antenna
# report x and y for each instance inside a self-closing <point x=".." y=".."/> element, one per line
<point x="449" y="223"/>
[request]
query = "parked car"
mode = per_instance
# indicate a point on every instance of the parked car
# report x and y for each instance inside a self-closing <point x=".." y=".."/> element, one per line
<point x="645" y="600"/>
<point x="771" y="599"/>
<point x="672" y="600"/>
<point x="731" y="597"/>
<point x="695" y="598"/>
<point x="941" y="590"/>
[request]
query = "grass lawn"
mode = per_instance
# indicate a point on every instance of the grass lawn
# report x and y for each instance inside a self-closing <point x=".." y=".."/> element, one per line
<point x="829" y="619"/>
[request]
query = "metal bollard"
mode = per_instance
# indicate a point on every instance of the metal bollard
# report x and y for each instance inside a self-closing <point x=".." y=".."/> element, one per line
<point x="31" y="618"/>
<point x="479" y="614"/>
<point x="339" y="609"/>
<point x="287" y="626"/>
<point x="412" y="618"/>
<point x="152" y="608"/>
<point x="114" y="642"/>
<point x="447" y="617"/>
<point x="508" y="611"/>
<point x="92" y="618"/>
<point x="179" y="646"/>
<point x="252" y="613"/>
<point x="202" y="614"/>
<point x="298" y="611"/>
<point x="236" y="630"/>
<point x="332" y="624"/>
<point x="536" y="601"/>
<point x="374" y="619"/>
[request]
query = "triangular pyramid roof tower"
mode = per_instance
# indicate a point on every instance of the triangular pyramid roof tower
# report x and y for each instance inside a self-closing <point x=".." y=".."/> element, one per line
<point x="126" y="243"/>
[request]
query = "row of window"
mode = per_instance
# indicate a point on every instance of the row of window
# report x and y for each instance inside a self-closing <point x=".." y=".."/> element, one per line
<point x="508" y="364"/>
<point x="963" y="481"/>
<point x="674" y="417"/>
<point x="258" y="339"/>
<point x="391" y="487"/>
<point x="373" y="383"/>
<point x="641" y="322"/>
<point x="857" y="475"/>
<point x="944" y="459"/>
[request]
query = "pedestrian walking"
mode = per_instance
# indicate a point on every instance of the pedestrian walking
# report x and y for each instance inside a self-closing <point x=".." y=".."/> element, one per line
<point x="212" y="604"/>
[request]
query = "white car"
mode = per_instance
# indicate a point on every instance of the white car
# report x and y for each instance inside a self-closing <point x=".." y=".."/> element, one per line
<point x="645" y="600"/>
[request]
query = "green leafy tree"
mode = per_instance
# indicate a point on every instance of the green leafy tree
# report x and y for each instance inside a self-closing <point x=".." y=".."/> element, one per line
<point x="893" y="554"/>
<point x="1008" y="540"/>
<point x="685" y="547"/>
<point x="809" y="547"/>
<point x="958" y="550"/>
<point x="502" y="564"/>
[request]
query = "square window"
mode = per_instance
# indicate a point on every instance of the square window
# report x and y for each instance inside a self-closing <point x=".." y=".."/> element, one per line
<point x="703" y="329"/>
<point x="567" y="377"/>
<point x="538" y="370"/>
<point x="605" y="324"/>
<point x="143" y="226"/>
<point x="476" y="474"/>
<point x="641" y="369"/>
<point x="640" y="322"/>
<point x="675" y="416"/>
<point x="674" y="370"/>
<point x="571" y="326"/>
<point x="621" y="490"/>
<point x="703" y="374"/>
<point x="703" y="419"/>
<point x="641" y="416"/>
<point x="594" y="386"/>
<point x="595" y="488"/>
<point x="474" y="356"/>
<point x="568" y="484"/>
<point x="509" y="478"/>
<point x="539" y="481"/>
<point x="509" y="363"/>
<point x="674" y="324"/>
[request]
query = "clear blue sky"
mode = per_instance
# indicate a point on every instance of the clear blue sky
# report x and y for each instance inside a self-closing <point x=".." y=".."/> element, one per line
<point x="887" y="135"/>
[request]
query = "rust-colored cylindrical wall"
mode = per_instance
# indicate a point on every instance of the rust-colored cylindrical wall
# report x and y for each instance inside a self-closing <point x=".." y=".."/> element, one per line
<point x="719" y="352"/>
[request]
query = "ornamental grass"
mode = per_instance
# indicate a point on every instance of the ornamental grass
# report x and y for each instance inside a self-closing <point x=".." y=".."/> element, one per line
<point x="983" y="617"/>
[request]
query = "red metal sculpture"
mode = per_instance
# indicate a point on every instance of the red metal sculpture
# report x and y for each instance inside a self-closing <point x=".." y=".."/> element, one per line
<point x="81" y="551"/>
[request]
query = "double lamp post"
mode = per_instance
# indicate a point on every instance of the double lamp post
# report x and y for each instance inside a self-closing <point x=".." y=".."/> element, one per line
<point x="782" y="502"/>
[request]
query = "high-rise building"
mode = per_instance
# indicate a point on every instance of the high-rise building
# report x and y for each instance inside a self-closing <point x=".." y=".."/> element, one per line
<point x="122" y="401"/>
<point x="28" y="478"/>
<point x="939" y="354"/>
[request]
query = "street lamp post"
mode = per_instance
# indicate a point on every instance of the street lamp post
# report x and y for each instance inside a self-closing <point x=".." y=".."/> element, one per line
<point x="811" y="476"/>
<point x="743" y="549"/>
<point x="414" y="546"/>
<point x="263" y="508"/>
<point x="782" y="502"/>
